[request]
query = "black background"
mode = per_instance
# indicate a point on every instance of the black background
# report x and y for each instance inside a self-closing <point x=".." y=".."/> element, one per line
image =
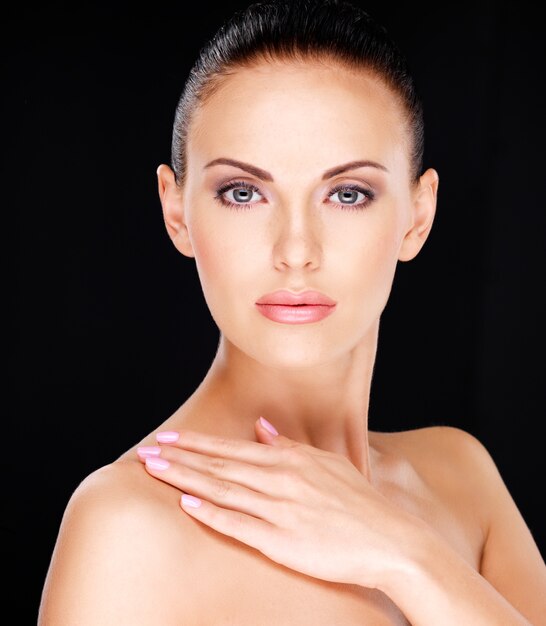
<point x="103" y="302"/>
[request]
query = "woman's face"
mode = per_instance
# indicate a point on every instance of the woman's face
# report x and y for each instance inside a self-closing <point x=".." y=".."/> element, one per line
<point x="291" y="229"/>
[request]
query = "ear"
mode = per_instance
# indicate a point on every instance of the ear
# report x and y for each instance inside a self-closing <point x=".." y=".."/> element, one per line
<point x="172" y="202"/>
<point x="423" y="209"/>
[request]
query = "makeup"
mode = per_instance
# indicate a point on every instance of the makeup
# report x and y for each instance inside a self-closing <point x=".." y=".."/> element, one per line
<point x="286" y="307"/>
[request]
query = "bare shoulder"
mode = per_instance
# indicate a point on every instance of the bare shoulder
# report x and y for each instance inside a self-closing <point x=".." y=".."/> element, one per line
<point x="121" y="495"/>
<point x="419" y="440"/>
<point x="443" y="452"/>
<point x="123" y="485"/>
<point x="120" y="530"/>
<point x="459" y="463"/>
<point x="439" y="454"/>
<point x="451" y="471"/>
<point x="458" y="466"/>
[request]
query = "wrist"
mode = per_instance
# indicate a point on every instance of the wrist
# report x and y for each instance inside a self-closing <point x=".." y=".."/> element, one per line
<point x="417" y="545"/>
<point x="431" y="583"/>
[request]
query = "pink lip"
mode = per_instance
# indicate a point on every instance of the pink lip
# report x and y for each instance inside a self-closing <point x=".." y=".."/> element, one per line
<point x="289" y="308"/>
<point x="282" y="296"/>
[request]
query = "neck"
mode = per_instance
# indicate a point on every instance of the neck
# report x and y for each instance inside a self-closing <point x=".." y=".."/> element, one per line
<point x="325" y="406"/>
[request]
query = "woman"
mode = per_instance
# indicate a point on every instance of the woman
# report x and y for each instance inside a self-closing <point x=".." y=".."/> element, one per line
<point x="297" y="186"/>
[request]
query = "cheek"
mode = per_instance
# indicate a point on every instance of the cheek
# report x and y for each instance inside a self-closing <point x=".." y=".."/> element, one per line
<point x="210" y="256"/>
<point x="226" y="255"/>
<point x="366" y="264"/>
<point x="380" y="252"/>
<point x="208" y="251"/>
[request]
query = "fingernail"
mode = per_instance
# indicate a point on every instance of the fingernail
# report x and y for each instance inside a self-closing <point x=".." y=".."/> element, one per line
<point x="192" y="501"/>
<point x="146" y="451"/>
<point x="268" y="426"/>
<point x="157" y="463"/>
<point x="167" y="436"/>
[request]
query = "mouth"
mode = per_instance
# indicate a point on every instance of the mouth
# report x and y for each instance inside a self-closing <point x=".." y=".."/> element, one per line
<point x="286" y="307"/>
<point x="288" y="298"/>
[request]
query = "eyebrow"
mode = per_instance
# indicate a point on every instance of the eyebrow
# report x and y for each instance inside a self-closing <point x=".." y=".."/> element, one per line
<point x="257" y="171"/>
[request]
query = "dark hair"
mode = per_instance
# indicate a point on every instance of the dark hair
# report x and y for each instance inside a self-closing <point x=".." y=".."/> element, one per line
<point x="299" y="30"/>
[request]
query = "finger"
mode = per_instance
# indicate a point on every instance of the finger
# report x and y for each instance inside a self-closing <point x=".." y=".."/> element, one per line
<point x="221" y="492"/>
<point x="143" y="452"/>
<point x="239" y="449"/>
<point x="266" y="432"/>
<point x="253" y="532"/>
<point x="259" y="478"/>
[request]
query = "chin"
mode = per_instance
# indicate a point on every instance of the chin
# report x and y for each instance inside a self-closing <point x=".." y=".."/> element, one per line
<point x="287" y="350"/>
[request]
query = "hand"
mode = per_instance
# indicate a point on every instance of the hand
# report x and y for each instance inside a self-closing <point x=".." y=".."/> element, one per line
<point x="306" y="508"/>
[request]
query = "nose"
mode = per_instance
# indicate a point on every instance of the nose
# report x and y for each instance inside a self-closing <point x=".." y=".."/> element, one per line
<point x="297" y="240"/>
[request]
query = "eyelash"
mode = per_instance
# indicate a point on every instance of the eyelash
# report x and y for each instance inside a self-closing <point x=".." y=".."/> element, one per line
<point x="370" y="195"/>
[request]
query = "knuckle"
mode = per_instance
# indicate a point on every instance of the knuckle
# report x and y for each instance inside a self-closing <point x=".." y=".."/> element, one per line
<point x="216" y="465"/>
<point x="297" y="455"/>
<point x="239" y="519"/>
<point x="236" y="524"/>
<point x="221" y="488"/>
<point x="283" y="454"/>
<point x="224" y="444"/>
<point x="290" y="455"/>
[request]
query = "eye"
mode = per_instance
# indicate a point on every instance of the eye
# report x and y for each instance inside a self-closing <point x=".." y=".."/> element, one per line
<point x="349" y="196"/>
<point x="241" y="192"/>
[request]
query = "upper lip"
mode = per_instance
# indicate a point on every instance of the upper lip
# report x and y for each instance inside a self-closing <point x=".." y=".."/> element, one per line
<point x="283" y="296"/>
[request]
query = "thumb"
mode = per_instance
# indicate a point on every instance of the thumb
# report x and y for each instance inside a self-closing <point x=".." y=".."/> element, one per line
<point x="267" y="433"/>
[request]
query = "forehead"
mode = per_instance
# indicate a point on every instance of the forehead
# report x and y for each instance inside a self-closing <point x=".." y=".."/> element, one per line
<point x="317" y="112"/>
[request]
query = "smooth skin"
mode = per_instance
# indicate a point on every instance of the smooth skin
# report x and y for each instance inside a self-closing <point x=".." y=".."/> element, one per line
<point x="327" y="522"/>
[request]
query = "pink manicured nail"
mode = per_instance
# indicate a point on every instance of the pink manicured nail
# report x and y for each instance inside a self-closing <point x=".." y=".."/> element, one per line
<point x="167" y="436"/>
<point x="157" y="463"/>
<point x="268" y="426"/>
<point x="146" y="451"/>
<point x="192" y="501"/>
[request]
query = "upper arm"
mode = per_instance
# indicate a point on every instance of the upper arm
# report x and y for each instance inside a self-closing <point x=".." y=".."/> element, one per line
<point x="511" y="560"/>
<point x="110" y="563"/>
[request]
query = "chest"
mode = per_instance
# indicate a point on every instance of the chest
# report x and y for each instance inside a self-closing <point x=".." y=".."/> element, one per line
<point x="237" y="585"/>
<point x="251" y="590"/>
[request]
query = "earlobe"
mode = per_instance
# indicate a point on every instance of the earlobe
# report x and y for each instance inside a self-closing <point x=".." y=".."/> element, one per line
<point x="423" y="211"/>
<point x="172" y="203"/>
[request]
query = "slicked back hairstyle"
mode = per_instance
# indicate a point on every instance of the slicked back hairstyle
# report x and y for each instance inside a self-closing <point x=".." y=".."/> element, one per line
<point x="334" y="31"/>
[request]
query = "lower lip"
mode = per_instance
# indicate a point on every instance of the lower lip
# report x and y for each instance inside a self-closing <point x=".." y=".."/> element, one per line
<point x="295" y="314"/>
